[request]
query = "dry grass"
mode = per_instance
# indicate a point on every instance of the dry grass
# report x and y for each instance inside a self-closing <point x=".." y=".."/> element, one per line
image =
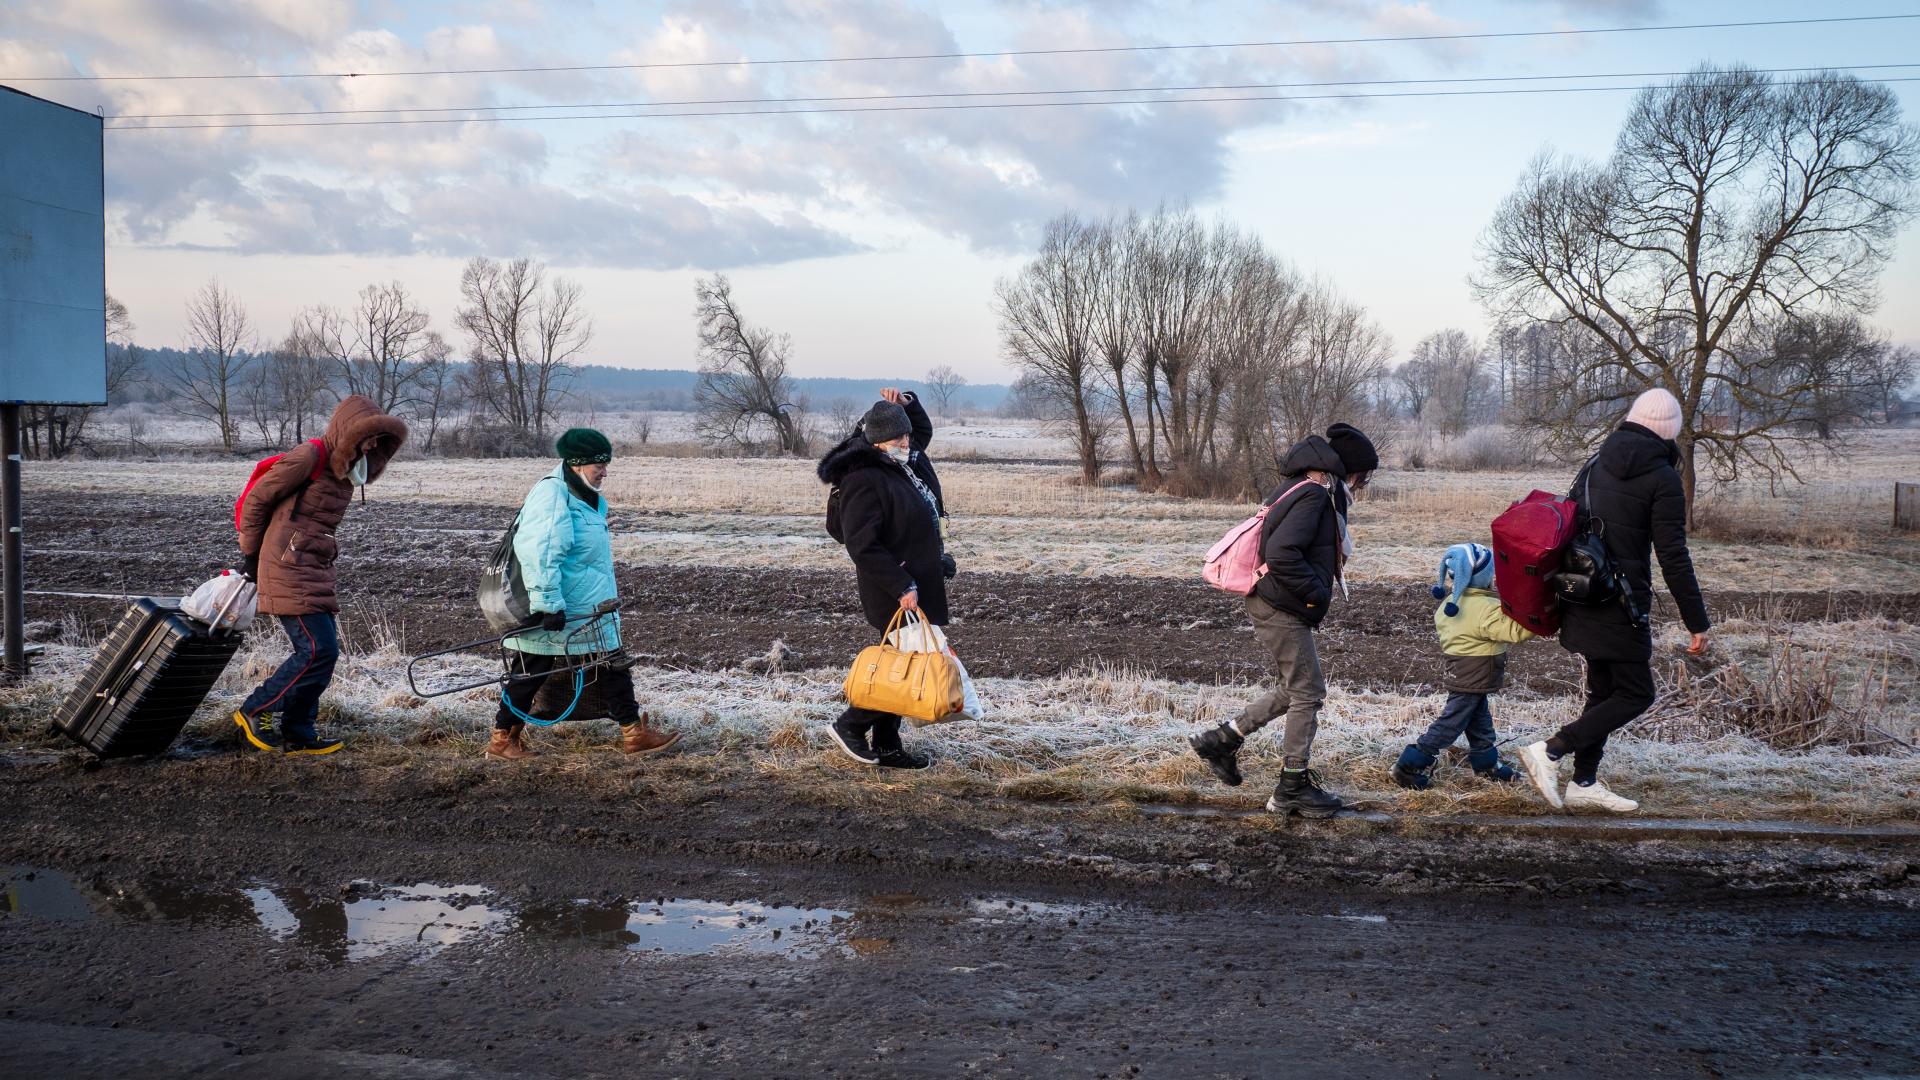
<point x="1038" y="519"/>
<point x="1091" y="737"/>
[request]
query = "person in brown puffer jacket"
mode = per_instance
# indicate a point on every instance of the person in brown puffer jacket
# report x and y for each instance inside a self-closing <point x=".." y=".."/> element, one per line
<point x="287" y="522"/>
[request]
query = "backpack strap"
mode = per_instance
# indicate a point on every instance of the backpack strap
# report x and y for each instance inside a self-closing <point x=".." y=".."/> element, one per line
<point x="319" y="469"/>
<point x="1272" y="522"/>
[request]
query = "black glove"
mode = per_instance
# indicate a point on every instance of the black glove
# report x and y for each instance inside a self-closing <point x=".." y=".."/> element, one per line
<point x="948" y="568"/>
<point x="554" y="620"/>
<point x="250" y="566"/>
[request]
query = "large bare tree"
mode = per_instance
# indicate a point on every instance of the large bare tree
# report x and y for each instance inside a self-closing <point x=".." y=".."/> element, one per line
<point x="387" y="358"/>
<point x="743" y="390"/>
<point x="208" y="382"/>
<point x="1730" y="200"/>
<point x="524" y="334"/>
<point x="1046" y="313"/>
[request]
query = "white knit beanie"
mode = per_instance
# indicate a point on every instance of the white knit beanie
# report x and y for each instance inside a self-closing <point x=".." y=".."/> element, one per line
<point x="1658" y="411"/>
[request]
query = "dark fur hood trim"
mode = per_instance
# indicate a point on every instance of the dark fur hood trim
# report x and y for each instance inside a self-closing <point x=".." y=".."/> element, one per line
<point x="855" y="452"/>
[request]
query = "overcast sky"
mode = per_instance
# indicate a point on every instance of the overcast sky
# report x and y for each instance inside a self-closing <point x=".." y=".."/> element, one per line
<point x="875" y="240"/>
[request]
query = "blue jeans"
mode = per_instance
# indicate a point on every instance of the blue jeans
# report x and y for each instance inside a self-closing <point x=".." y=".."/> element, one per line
<point x="1467" y="713"/>
<point x="292" y="693"/>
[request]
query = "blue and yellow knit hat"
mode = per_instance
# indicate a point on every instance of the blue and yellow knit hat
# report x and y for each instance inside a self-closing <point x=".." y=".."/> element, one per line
<point x="1471" y="566"/>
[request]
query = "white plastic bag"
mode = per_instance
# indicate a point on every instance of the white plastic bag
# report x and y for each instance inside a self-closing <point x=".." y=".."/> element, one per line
<point x="224" y="603"/>
<point x="919" y="635"/>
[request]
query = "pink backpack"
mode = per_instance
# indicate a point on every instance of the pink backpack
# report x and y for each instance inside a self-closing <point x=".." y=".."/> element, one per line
<point x="1234" y="564"/>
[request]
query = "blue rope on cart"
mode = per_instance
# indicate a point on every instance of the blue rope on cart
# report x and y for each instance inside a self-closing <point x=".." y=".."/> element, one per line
<point x="579" y="685"/>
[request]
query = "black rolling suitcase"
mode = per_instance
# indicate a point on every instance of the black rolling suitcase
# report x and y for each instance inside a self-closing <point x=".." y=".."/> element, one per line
<point x="144" y="684"/>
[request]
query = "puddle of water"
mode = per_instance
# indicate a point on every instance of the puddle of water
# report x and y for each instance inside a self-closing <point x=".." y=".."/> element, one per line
<point x="697" y="928"/>
<point x="367" y="919"/>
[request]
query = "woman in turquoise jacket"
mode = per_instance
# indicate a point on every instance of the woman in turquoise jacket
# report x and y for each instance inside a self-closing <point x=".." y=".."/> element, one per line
<point x="566" y="562"/>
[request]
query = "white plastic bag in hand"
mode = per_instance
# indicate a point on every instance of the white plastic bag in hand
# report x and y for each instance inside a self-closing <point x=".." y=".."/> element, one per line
<point x="919" y="635"/>
<point x="224" y="603"/>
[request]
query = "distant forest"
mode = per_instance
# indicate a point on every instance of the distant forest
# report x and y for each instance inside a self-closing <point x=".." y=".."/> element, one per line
<point x="614" y="388"/>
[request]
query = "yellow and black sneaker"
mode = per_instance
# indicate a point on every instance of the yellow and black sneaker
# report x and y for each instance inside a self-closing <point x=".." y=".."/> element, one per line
<point x="257" y="730"/>
<point x="315" y="745"/>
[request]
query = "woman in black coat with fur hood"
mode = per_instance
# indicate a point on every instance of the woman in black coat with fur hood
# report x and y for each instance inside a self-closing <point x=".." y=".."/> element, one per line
<point x="886" y="508"/>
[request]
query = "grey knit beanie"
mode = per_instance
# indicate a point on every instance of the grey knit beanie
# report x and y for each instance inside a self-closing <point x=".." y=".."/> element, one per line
<point x="885" y="422"/>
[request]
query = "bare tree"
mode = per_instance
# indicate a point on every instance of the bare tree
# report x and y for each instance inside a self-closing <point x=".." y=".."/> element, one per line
<point x="1116" y="323"/>
<point x="943" y="382"/>
<point x="439" y="386"/>
<point x="1730" y="200"/>
<point x="1833" y="367"/>
<point x="1046" y="329"/>
<point x="386" y="360"/>
<point x="743" y="386"/>
<point x="282" y="393"/>
<point x="1446" y="383"/>
<point x="207" y="384"/>
<point x="1171" y="282"/>
<point x="54" y="431"/>
<point x="523" y="340"/>
<point x="1337" y="353"/>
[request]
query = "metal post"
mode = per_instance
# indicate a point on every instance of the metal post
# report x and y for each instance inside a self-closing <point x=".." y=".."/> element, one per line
<point x="13" y="589"/>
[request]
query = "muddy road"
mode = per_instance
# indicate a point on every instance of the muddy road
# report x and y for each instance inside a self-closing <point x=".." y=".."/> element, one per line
<point x="410" y="570"/>
<point x="263" y="918"/>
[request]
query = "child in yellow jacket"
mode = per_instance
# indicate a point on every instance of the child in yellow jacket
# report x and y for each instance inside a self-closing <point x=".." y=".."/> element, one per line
<point x="1475" y="635"/>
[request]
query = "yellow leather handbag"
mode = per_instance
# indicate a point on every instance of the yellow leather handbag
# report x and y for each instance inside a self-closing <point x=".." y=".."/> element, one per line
<point x="923" y="686"/>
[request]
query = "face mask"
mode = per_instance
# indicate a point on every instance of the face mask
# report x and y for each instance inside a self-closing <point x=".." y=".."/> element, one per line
<point x="357" y="474"/>
<point x="590" y="484"/>
<point x="900" y="454"/>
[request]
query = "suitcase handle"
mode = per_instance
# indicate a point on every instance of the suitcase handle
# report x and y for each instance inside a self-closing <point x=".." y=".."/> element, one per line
<point x="221" y="615"/>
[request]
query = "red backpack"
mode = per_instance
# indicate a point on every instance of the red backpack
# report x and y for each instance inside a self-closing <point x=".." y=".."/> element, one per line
<point x="260" y="469"/>
<point x="1529" y="541"/>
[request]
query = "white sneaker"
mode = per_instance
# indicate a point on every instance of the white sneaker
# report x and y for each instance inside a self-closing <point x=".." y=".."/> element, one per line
<point x="1543" y="771"/>
<point x="1596" y="795"/>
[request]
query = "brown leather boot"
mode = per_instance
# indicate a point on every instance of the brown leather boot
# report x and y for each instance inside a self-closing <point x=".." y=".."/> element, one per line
<point x="643" y="738"/>
<point x="519" y="736"/>
<point x="506" y="744"/>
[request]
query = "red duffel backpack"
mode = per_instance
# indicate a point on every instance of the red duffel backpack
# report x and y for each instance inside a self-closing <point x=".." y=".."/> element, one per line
<point x="1529" y="541"/>
<point x="260" y="469"/>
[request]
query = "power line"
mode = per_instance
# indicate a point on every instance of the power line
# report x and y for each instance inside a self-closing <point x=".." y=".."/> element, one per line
<point x="1078" y="51"/>
<point x="918" y="108"/>
<point x="983" y="94"/>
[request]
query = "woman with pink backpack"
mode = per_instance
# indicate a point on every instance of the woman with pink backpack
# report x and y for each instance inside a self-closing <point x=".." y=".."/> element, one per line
<point x="1291" y="589"/>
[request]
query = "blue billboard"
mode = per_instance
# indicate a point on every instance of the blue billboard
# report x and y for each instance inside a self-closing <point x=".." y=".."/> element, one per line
<point x="53" y="253"/>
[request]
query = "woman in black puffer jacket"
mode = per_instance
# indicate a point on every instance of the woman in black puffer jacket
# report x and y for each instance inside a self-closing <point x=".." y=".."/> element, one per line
<point x="1633" y="486"/>
<point x="888" y="513"/>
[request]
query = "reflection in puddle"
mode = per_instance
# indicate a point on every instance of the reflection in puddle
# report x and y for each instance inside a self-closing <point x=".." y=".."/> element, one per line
<point x="367" y="920"/>
<point x="696" y="927"/>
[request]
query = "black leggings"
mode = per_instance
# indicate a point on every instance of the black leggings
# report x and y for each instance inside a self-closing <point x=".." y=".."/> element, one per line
<point x="1618" y="691"/>
<point x="884" y="726"/>
<point x="530" y="671"/>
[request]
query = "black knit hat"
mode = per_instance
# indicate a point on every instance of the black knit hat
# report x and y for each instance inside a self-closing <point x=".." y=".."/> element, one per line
<point x="583" y="446"/>
<point x="885" y="422"/>
<point x="1355" y="449"/>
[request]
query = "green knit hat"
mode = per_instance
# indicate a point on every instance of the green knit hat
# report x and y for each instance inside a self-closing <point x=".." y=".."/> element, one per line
<point x="584" y="446"/>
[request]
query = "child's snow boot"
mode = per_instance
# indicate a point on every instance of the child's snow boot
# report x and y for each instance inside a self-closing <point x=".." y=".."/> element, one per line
<point x="1414" y="770"/>
<point x="1488" y="766"/>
